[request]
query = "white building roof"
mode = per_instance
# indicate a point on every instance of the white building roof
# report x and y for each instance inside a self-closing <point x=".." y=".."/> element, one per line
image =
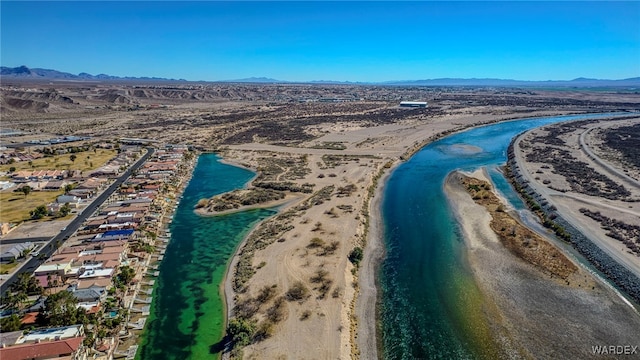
<point x="96" y="273"/>
<point x="51" y="267"/>
<point x="51" y="334"/>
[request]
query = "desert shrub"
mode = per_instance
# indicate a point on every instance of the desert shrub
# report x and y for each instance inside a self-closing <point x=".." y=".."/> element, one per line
<point x="324" y="288"/>
<point x="336" y="292"/>
<point x="331" y="212"/>
<point x="346" y="190"/>
<point x="245" y="308"/>
<point x="266" y="293"/>
<point x="241" y="331"/>
<point x="297" y="292"/>
<point x="316" y="242"/>
<point x="319" y="276"/>
<point x="276" y="312"/>
<point x="355" y="256"/>
<point x="330" y="249"/>
<point x="305" y="315"/>
<point x="265" y="330"/>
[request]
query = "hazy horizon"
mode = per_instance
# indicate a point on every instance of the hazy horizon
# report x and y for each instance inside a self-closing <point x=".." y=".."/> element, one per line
<point x="336" y="41"/>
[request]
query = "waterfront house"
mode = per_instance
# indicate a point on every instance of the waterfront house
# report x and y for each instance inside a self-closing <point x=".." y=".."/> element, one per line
<point x="115" y="235"/>
<point x="61" y="268"/>
<point x="71" y="349"/>
<point x="93" y="294"/>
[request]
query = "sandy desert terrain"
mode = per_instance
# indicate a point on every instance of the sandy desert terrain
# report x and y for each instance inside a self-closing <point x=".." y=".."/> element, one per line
<point x="292" y="275"/>
<point x="598" y="195"/>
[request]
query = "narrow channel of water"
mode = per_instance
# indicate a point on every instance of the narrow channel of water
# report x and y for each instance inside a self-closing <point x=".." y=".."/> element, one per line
<point x="430" y="306"/>
<point x="187" y="314"/>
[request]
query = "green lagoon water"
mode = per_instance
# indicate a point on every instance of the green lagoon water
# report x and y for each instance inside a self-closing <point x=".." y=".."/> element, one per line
<point x="187" y="313"/>
<point x="430" y="307"/>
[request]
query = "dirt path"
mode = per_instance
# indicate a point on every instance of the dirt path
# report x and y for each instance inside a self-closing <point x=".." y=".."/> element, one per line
<point x="566" y="203"/>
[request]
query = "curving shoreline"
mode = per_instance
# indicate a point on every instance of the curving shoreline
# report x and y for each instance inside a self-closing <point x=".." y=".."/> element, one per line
<point x="374" y="250"/>
<point x="528" y="310"/>
<point x="362" y="318"/>
<point x="369" y="342"/>
<point x="618" y="274"/>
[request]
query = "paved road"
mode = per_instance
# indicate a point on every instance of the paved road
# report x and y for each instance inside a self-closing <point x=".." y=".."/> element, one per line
<point x="57" y="241"/>
<point x="612" y="170"/>
<point x="25" y="240"/>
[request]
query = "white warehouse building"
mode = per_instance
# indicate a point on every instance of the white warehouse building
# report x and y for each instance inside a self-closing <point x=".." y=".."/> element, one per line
<point x="418" y="104"/>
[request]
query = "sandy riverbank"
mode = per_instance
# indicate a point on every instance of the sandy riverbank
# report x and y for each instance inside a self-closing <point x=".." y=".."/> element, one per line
<point x="533" y="315"/>
<point x="577" y="186"/>
<point x="339" y="323"/>
<point x="367" y="340"/>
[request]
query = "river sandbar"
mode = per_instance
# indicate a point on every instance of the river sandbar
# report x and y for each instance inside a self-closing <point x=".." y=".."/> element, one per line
<point x="537" y="316"/>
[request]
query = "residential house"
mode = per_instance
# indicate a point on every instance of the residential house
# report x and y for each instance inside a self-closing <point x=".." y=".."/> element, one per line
<point x="61" y="268"/>
<point x="90" y="295"/>
<point x="73" y="201"/>
<point x="16" y="252"/>
<point x="72" y="349"/>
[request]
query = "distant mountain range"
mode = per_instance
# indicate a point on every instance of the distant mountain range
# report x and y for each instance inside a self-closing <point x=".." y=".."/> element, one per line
<point x="48" y="74"/>
<point x="23" y="72"/>
<point x="579" y="82"/>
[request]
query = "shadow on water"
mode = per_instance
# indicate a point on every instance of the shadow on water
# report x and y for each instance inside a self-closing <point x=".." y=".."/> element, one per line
<point x="220" y="346"/>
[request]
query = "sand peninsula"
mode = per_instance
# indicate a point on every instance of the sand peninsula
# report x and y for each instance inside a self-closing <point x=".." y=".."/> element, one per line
<point x="540" y="302"/>
<point x="291" y="277"/>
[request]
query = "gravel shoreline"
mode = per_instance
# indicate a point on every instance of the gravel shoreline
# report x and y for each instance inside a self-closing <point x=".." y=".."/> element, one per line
<point x="618" y="274"/>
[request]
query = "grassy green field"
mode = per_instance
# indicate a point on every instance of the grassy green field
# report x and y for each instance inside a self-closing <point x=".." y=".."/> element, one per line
<point x="15" y="207"/>
<point x="85" y="161"/>
<point x="7" y="268"/>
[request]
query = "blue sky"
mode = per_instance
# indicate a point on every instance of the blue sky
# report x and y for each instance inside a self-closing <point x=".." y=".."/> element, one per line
<point x="301" y="41"/>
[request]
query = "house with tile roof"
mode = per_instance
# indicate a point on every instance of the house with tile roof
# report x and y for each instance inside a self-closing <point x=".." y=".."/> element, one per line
<point x="57" y="349"/>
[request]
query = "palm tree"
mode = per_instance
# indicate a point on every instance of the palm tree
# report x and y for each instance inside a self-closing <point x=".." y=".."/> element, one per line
<point x="13" y="300"/>
<point x="20" y="298"/>
<point x="27" y="284"/>
<point x="68" y="188"/>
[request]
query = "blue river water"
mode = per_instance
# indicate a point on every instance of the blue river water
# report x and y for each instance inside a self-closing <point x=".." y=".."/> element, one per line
<point x="430" y="307"/>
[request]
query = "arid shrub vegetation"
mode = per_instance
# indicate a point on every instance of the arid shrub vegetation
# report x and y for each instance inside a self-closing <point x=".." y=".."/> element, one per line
<point x="297" y="292"/>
